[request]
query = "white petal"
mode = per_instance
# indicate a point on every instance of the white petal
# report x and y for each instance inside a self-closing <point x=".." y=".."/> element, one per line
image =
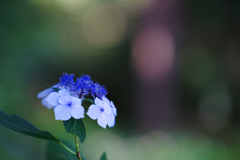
<point x="61" y="87"/>
<point x="46" y="104"/>
<point x="93" y="112"/>
<point x="62" y="112"/>
<point x="64" y="99"/>
<point x="102" y="120"/>
<point x="56" y="85"/>
<point x="77" y="111"/>
<point x="53" y="98"/>
<point x="98" y="102"/>
<point x="76" y="101"/>
<point x="111" y="120"/>
<point x="54" y="108"/>
<point x="114" y="109"/>
<point x="45" y="93"/>
<point x="105" y="100"/>
<point x="107" y="108"/>
<point x="63" y="92"/>
<point x="68" y="88"/>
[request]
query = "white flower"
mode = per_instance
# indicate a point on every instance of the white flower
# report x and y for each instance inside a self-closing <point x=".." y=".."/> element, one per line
<point x="65" y="105"/>
<point x="100" y="111"/>
<point x="111" y="118"/>
<point x="44" y="95"/>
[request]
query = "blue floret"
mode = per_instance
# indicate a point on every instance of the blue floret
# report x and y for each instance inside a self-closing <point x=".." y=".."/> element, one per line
<point x="84" y="86"/>
<point x="98" y="90"/>
<point x="67" y="80"/>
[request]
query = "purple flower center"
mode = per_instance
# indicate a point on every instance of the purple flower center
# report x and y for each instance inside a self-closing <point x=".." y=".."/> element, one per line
<point x="69" y="104"/>
<point x="102" y="109"/>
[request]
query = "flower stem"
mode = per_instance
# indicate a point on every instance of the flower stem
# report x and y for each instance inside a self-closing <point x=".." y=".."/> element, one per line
<point x="68" y="149"/>
<point x="77" y="148"/>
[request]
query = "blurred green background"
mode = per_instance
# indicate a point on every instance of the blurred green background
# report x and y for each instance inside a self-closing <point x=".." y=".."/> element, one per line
<point x="172" y="68"/>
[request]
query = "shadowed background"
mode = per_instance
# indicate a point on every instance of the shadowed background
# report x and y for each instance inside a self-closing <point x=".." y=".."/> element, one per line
<point x="172" y="69"/>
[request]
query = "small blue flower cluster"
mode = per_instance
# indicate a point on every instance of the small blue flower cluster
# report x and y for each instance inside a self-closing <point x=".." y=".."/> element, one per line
<point x="84" y="86"/>
<point x="66" y="99"/>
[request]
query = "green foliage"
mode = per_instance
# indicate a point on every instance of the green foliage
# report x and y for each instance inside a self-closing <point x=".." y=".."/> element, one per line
<point x="21" y="125"/>
<point x="56" y="152"/>
<point x="76" y="127"/>
<point x="89" y="100"/>
<point x="103" y="156"/>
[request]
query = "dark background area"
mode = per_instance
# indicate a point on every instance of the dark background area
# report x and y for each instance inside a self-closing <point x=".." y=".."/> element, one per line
<point x="172" y="69"/>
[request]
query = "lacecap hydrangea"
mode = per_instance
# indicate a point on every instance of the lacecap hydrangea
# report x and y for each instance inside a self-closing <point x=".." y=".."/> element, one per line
<point x="66" y="99"/>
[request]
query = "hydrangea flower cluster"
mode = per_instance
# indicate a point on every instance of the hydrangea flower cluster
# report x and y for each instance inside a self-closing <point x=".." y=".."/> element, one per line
<point x="66" y="99"/>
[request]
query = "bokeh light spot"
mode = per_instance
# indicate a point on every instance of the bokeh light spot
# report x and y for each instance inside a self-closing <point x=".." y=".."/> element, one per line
<point x="104" y="25"/>
<point x="74" y="6"/>
<point x="153" y="53"/>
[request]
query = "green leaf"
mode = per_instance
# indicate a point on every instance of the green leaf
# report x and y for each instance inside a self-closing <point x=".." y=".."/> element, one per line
<point x="21" y="125"/>
<point x="89" y="100"/>
<point x="104" y="156"/>
<point x="56" y="152"/>
<point x="75" y="127"/>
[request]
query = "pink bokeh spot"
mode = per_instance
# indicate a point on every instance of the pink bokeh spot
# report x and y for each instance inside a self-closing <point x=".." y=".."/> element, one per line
<point x="153" y="52"/>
